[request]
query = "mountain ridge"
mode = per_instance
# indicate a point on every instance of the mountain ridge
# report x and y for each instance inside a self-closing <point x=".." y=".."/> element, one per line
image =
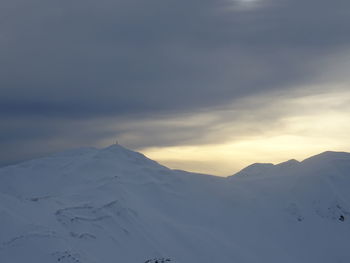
<point x="116" y="205"/>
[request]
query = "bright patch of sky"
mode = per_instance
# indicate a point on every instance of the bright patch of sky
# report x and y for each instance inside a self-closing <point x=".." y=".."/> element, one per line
<point x="301" y="126"/>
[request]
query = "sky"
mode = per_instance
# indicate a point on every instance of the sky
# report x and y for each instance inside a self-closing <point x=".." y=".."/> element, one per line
<point x="208" y="86"/>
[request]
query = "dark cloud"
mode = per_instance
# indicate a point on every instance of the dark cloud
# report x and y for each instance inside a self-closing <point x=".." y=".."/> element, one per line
<point x="67" y="62"/>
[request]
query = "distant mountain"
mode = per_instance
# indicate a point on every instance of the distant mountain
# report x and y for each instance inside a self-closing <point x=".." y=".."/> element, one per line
<point x="115" y="205"/>
<point x="328" y="161"/>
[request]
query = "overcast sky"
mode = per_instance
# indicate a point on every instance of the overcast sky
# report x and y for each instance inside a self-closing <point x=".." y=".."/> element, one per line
<point x="204" y="85"/>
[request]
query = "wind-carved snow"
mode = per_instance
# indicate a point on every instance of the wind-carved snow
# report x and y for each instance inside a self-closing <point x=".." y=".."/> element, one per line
<point x="80" y="219"/>
<point x="115" y="205"/>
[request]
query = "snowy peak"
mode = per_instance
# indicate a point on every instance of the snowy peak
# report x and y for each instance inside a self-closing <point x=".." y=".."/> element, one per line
<point x="256" y="169"/>
<point x="117" y="150"/>
<point x="328" y="156"/>
<point x="69" y="170"/>
<point x="332" y="163"/>
<point x="262" y="169"/>
<point x="112" y="156"/>
<point x="119" y="153"/>
<point x="288" y="163"/>
<point x="326" y="162"/>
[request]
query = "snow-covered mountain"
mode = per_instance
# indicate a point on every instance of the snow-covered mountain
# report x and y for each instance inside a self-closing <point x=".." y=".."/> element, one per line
<point x="114" y="205"/>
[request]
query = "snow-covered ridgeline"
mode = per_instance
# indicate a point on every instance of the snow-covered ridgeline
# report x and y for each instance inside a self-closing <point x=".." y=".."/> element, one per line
<point x="115" y="205"/>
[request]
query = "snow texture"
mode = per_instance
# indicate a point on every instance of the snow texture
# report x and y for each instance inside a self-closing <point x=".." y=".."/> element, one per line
<point x="115" y="205"/>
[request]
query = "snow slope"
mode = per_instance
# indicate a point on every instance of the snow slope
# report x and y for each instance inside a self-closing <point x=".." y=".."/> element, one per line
<point x="115" y="205"/>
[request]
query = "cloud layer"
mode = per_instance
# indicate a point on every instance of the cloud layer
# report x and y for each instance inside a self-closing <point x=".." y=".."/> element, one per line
<point x="80" y="72"/>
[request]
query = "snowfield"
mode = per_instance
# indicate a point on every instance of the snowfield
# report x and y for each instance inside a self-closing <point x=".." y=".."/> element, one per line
<point x="114" y="205"/>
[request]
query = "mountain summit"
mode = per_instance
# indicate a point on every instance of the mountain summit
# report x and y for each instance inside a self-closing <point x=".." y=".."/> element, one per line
<point x="115" y="205"/>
